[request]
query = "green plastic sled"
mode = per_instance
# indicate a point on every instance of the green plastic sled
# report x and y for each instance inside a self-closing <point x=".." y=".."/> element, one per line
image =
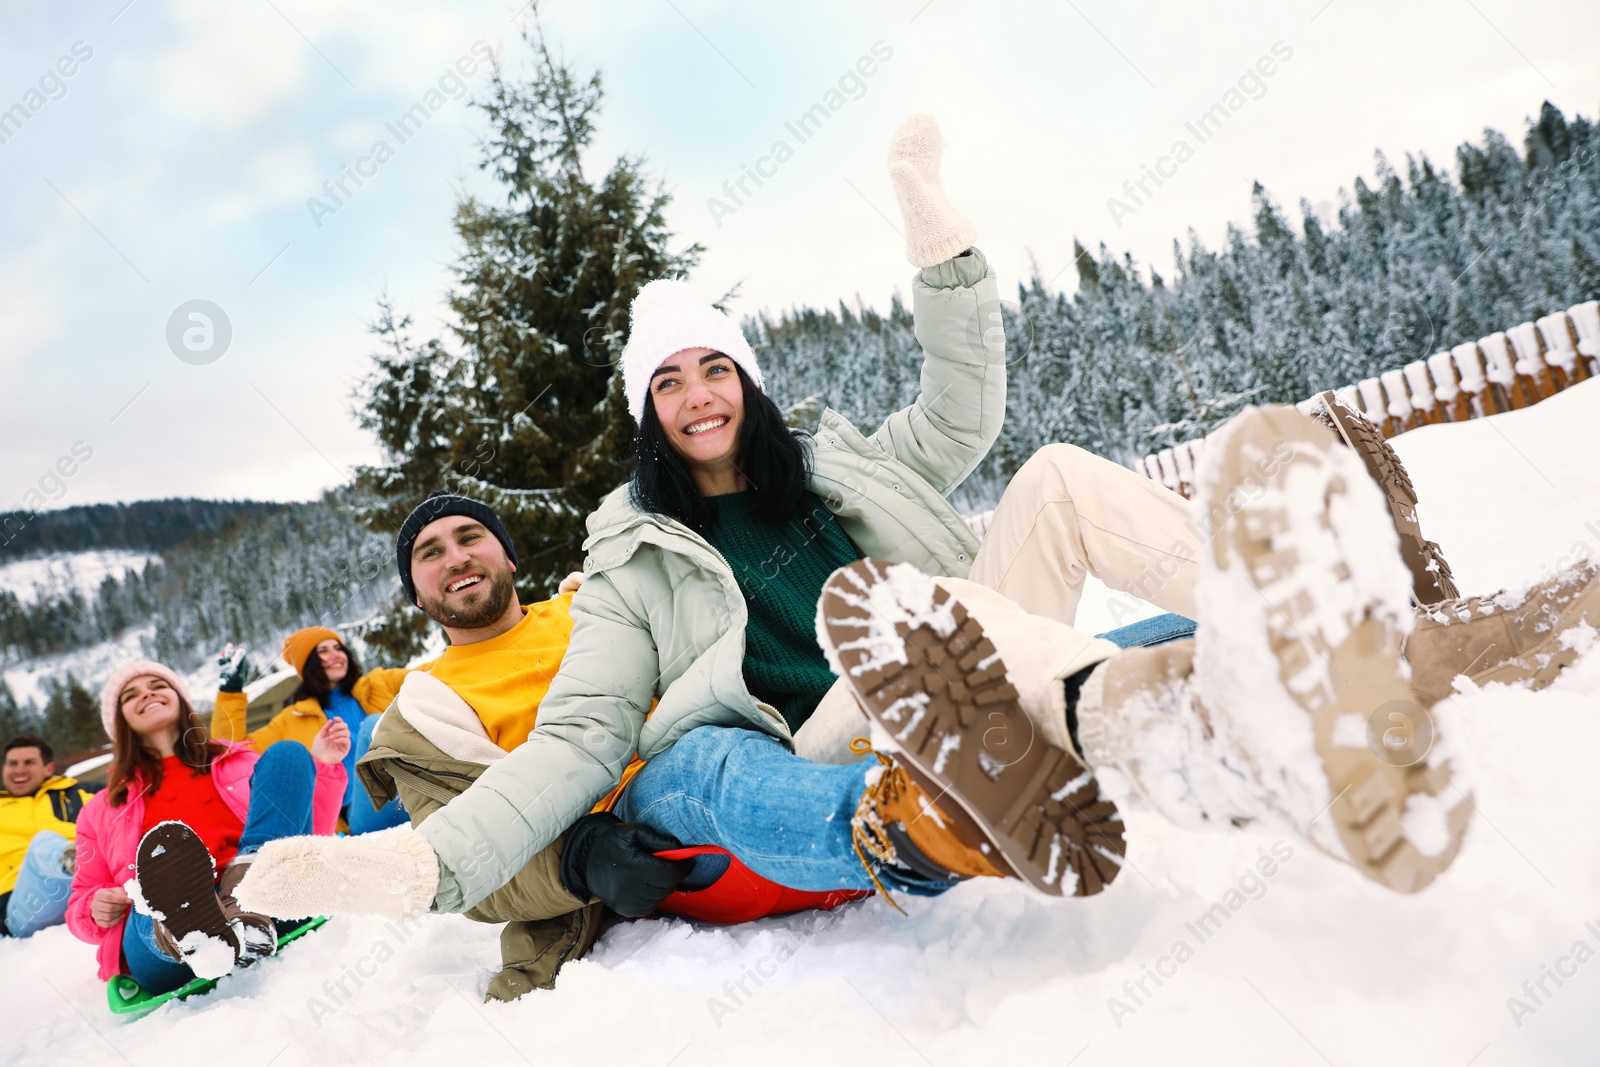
<point x="128" y="997"/>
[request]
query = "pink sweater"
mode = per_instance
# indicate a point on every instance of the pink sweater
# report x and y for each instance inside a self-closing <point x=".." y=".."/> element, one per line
<point x="108" y="840"/>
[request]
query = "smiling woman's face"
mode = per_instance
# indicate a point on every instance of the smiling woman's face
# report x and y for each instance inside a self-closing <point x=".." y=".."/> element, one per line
<point x="149" y="705"/>
<point x="700" y="404"/>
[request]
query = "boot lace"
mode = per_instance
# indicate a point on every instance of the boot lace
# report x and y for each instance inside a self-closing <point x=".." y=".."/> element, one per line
<point x="867" y="832"/>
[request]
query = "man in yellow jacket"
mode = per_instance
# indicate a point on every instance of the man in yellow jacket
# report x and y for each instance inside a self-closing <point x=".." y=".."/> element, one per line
<point x="38" y="823"/>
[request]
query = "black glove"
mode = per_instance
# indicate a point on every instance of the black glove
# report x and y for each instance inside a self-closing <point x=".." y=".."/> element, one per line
<point x="607" y="858"/>
<point x="232" y="667"/>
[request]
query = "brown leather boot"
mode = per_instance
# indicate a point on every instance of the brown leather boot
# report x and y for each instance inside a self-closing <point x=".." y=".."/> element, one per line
<point x="1507" y="637"/>
<point x="174" y="872"/>
<point x="257" y="934"/>
<point x="897" y="823"/>
<point x="970" y="788"/>
<point x="1430" y="574"/>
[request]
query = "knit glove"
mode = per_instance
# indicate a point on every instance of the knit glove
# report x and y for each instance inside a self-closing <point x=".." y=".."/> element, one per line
<point x="232" y="667"/>
<point x="614" y="860"/>
<point x="935" y="231"/>
<point x="393" y="873"/>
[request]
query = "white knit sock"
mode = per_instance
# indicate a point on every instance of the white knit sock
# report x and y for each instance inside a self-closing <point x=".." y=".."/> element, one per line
<point x="393" y="873"/>
<point x="935" y="231"/>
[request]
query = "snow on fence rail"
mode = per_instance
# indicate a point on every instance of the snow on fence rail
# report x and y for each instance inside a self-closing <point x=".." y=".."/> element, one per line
<point x="1514" y="369"/>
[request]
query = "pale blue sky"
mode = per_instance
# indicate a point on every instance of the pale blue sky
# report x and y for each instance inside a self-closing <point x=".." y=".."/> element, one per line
<point x="177" y="160"/>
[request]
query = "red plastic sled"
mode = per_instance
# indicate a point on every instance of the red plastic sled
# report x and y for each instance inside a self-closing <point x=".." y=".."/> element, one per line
<point x="741" y="894"/>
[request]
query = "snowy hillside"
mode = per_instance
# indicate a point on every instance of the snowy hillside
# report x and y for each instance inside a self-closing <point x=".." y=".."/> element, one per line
<point x="60" y="574"/>
<point x="1312" y="966"/>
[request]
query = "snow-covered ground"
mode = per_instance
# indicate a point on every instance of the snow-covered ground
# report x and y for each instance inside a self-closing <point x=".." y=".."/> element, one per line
<point x="56" y="575"/>
<point x="1313" y="965"/>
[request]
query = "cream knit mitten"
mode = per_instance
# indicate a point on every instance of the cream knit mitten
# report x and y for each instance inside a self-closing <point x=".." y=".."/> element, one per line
<point x="935" y="231"/>
<point x="393" y="873"/>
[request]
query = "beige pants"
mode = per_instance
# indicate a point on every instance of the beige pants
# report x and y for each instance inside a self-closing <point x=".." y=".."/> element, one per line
<point x="1066" y="515"/>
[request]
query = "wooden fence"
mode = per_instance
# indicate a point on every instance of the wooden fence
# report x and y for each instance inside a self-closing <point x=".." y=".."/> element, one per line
<point x="1501" y="372"/>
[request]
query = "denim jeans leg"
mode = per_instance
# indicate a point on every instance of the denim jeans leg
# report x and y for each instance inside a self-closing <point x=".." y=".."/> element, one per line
<point x="361" y="815"/>
<point x="786" y="818"/>
<point x="1157" y="630"/>
<point x="153" y="969"/>
<point x="280" y="796"/>
<point x="39" y="898"/>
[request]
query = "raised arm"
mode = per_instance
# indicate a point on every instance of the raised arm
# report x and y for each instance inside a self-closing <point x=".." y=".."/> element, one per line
<point x="956" y="306"/>
<point x="957" y="416"/>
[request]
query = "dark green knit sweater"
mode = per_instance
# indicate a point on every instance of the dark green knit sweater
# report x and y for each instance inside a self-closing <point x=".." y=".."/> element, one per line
<point x="780" y="569"/>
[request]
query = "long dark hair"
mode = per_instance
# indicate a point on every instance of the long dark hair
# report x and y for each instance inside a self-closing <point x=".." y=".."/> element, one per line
<point x="314" y="680"/>
<point x="130" y="757"/>
<point x="772" y="458"/>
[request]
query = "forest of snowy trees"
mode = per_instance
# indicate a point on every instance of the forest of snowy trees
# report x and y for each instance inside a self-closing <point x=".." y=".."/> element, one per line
<point x="1134" y="361"/>
<point x="274" y="568"/>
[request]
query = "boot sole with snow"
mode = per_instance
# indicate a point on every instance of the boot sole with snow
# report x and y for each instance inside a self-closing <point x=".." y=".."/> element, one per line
<point x="1430" y="574"/>
<point x="962" y="736"/>
<point x="177" y="879"/>
<point x="1354" y="672"/>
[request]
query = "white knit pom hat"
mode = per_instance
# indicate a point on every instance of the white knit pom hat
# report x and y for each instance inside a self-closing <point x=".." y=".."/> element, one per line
<point x="110" y="695"/>
<point x="667" y="316"/>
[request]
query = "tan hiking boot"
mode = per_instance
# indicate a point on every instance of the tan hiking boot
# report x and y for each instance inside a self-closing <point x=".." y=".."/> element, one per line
<point x="979" y="787"/>
<point x="1303" y="606"/>
<point x="1507" y="637"/>
<point x="897" y="823"/>
<point x="257" y="934"/>
<point x="1139" y="714"/>
<point x="1430" y="574"/>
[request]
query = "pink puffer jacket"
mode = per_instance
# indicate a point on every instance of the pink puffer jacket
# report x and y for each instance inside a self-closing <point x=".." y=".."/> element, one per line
<point x="108" y="840"/>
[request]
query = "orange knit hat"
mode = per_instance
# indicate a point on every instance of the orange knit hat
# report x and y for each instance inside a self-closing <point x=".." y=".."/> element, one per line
<point x="298" y="646"/>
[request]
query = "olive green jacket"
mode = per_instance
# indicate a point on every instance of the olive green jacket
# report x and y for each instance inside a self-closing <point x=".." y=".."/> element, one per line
<point x="660" y="614"/>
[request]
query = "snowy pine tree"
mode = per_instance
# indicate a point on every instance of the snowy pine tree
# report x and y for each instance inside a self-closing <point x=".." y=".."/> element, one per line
<point x="522" y="407"/>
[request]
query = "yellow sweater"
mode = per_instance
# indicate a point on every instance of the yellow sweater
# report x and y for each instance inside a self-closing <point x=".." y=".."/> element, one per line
<point x="300" y="721"/>
<point x="504" y="679"/>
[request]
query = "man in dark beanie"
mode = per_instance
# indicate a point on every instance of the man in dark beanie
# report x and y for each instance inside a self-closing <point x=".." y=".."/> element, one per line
<point x="438" y="505"/>
<point x="463" y="711"/>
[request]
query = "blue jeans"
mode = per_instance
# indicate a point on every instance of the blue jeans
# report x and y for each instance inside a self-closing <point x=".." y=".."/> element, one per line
<point x="1154" y="631"/>
<point x="145" y="963"/>
<point x="281" y="787"/>
<point x="361" y="816"/>
<point x="39" y="898"/>
<point x="786" y="818"/>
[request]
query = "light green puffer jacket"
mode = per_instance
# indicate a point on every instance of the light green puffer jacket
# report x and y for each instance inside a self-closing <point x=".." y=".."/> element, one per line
<point x="660" y="613"/>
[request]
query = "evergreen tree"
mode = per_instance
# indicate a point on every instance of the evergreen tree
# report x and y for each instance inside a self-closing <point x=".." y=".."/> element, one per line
<point x="70" y="720"/>
<point x="523" y="408"/>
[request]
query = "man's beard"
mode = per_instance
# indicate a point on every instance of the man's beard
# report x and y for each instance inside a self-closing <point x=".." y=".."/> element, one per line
<point x="495" y="599"/>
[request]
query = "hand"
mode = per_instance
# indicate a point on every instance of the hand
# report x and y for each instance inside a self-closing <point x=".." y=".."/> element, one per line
<point x="614" y="860"/>
<point x="109" y="906"/>
<point x="570" y="583"/>
<point x="232" y="667"/>
<point x="332" y="742"/>
<point x="935" y="230"/>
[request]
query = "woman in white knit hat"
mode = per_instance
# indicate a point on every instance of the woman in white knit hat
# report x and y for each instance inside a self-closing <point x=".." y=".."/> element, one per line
<point x="703" y="577"/>
<point x="739" y="608"/>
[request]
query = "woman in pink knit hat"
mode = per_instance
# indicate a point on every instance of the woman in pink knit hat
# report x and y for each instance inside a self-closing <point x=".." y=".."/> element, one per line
<point x="161" y="848"/>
